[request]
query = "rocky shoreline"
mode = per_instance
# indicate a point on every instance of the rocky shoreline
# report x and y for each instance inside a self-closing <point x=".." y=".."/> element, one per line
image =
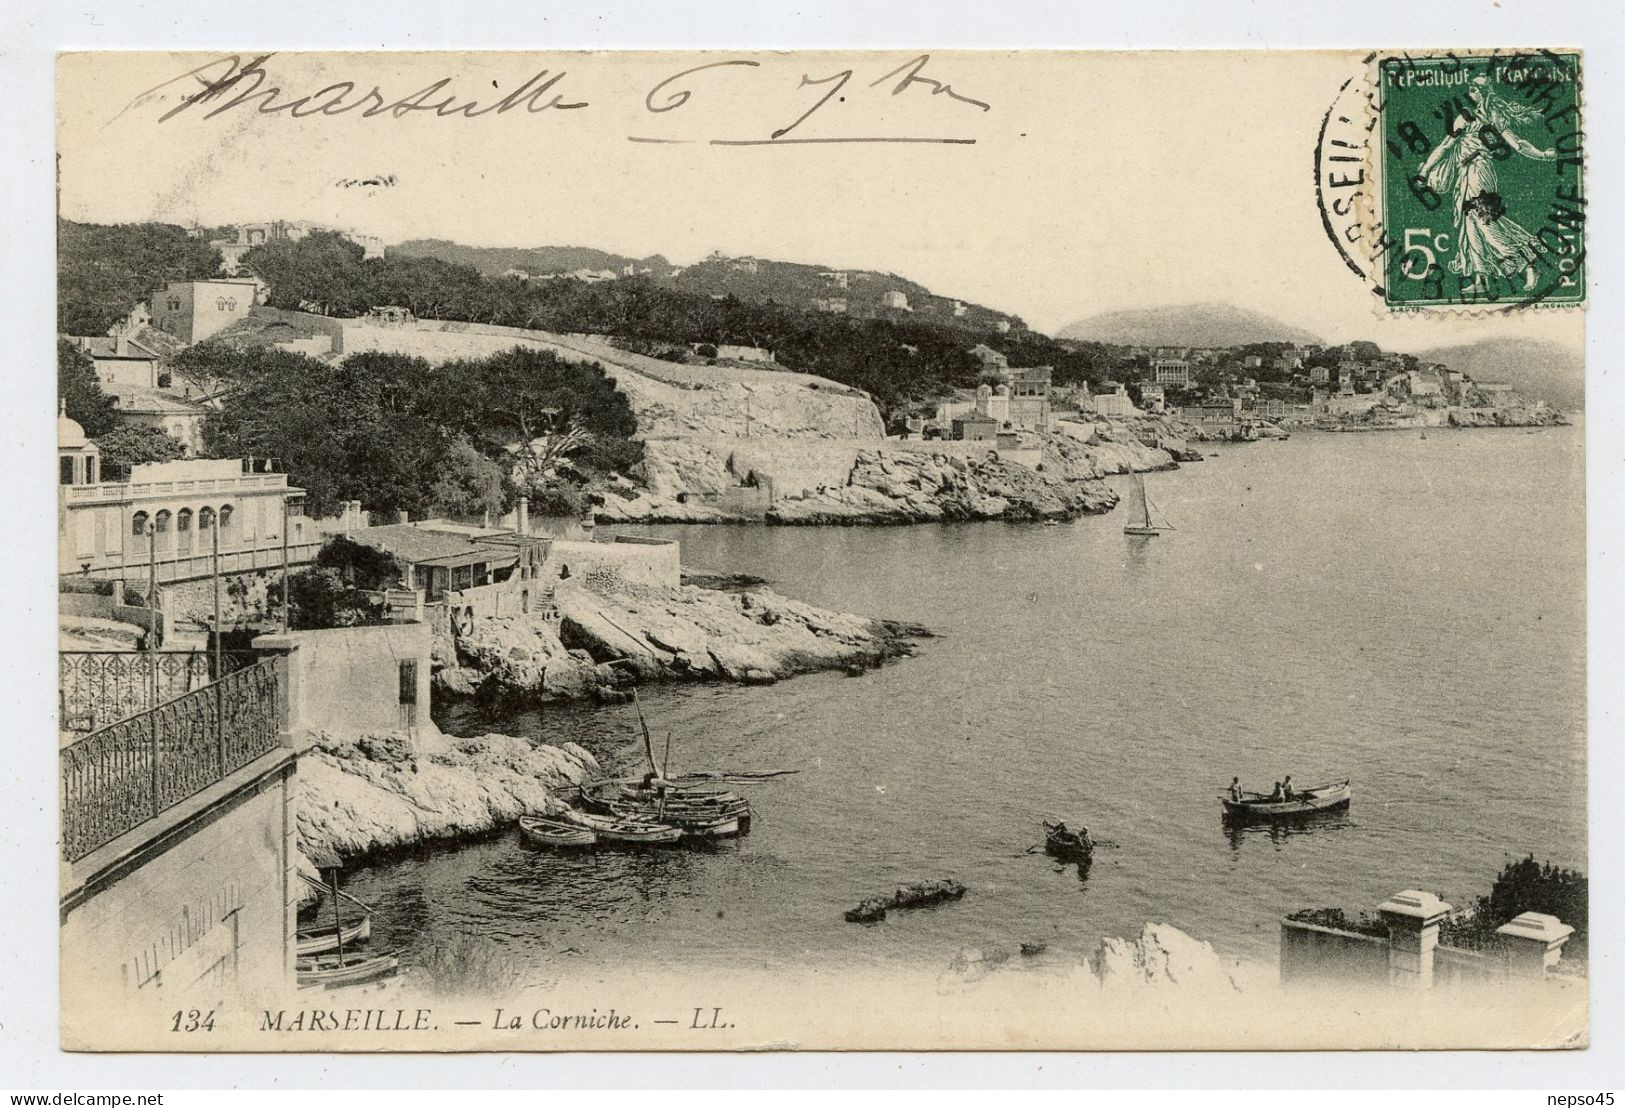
<point x="889" y="482"/>
<point x="361" y="797"/>
<point x="600" y="643"/>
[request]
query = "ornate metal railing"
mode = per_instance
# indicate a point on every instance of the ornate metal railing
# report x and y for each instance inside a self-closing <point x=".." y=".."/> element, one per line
<point x="98" y="688"/>
<point x="117" y="778"/>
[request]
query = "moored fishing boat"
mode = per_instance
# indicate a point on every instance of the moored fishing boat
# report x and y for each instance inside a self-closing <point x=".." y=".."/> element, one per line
<point x="334" y="971"/>
<point x="321" y="939"/>
<point x="539" y="831"/>
<point x="611" y="829"/>
<point x="710" y="825"/>
<point x="1320" y="798"/>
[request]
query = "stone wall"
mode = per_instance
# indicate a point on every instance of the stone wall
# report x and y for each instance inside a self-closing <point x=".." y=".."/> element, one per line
<point x="244" y="599"/>
<point x="668" y="398"/>
<point x="1311" y="953"/>
<point x="208" y="917"/>
<point x="612" y="566"/>
<point x="347" y="680"/>
<point x="1031" y="457"/>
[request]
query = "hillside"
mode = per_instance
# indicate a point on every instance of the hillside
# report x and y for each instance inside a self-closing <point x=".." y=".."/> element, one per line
<point x="1209" y="324"/>
<point x="864" y="292"/>
<point x="1540" y="370"/>
<point x="755" y="280"/>
<point x="493" y="261"/>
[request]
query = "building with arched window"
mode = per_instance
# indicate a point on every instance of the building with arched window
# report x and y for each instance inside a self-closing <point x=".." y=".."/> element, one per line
<point x="194" y="310"/>
<point x="168" y="518"/>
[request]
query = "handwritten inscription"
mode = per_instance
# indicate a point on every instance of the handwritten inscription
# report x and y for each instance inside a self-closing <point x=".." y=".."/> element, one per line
<point x="230" y="82"/>
<point x="675" y="91"/>
<point x="234" y="82"/>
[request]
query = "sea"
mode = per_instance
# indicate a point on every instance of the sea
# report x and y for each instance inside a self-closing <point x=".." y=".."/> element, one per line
<point x="1401" y="610"/>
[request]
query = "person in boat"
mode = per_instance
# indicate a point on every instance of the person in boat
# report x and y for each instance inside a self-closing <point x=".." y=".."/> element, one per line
<point x="1276" y="793"/>
<point x="1286" y="788"/>
<point x="1235" y="789"/>
<point x="1079" y="837"/>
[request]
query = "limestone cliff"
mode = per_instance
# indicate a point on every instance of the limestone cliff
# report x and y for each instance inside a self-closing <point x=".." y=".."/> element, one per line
<point x="606" y="639"/>
<point x="362" y="795"/>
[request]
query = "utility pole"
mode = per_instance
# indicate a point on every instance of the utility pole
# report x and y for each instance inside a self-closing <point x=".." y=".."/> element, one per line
<point x="219" y="669"/>
<point x="214" y="574"/>
<point x="152" y="607"/>
<point x="286" y="599"/>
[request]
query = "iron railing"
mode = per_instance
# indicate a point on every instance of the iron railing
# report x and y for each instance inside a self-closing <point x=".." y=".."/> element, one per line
<point x="97" y="688"/>
<point x="117" y="778"/>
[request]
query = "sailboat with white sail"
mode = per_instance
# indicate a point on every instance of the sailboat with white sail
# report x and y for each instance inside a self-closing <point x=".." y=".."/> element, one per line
<point x="1139" y="513"/>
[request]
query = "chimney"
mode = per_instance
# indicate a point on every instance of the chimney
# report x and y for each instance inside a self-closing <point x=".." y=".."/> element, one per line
<point x="403" y="516"/>
<point x="121" y="343"/>
<point x="523" y="518"/>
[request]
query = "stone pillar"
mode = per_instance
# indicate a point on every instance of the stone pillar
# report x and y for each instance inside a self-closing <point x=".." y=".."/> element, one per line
<point x="1413" y="919"/>
<point x="286" y="649"/>
<point x="522" y="520"/>
<point x="1533" y="944"/>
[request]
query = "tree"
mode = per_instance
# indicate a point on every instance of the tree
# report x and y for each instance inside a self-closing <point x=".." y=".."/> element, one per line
<point x="81" y="391"/>
<point x="104" y="271"/>
<point x="322" y="598"/>
<point x="323" y="269"/>
<point x="470" y="484"/>
<point x="130" y="445"/>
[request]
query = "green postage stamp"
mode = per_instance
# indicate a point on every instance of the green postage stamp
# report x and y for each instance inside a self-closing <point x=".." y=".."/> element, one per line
<point x="1481" y="166"/>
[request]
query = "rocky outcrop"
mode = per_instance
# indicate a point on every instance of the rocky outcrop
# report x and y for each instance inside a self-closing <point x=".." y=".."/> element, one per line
<point x="356" y="796"/>
<point x="848" y="481"/>
<point x="604" y="641"/>
<point x="918" y="487"/>
<point x="1161" y="957"/>
<point x="1525" y="416"/>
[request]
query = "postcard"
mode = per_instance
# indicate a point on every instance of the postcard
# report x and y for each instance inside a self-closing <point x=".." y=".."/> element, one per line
<point x="861" y="550"/>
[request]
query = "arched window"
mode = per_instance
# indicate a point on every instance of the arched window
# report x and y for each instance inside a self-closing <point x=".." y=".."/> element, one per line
<point x="205" y="519"/>
<point x="138" y="523"/>
<point x="225" y="517"/>
<point x="160" y="522"/>
<point x="183" y="519"/>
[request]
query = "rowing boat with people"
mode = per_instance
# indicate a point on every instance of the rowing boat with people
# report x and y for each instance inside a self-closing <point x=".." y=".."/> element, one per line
<point x="1319" y="798"/>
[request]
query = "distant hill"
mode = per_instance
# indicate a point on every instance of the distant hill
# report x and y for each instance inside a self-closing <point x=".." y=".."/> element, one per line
<point x="493" y="261"/>
<point x="858" y="293"/>
<point x="1538" y="369"/>
<point x="1184" y="325"/>
<point x="864" y="293"/>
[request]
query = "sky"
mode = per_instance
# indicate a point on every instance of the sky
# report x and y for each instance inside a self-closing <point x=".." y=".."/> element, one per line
<point x="1095" y="182"/>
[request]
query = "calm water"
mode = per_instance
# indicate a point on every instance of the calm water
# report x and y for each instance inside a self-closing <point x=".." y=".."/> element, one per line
<point x="1407" y="612"/>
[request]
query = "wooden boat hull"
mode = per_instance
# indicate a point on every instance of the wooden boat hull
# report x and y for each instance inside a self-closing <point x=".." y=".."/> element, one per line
<point x="1067" y="845"/>
<point x="324" y="972"/>
<point x="1321" y="798"/>
<point x="708" y="825"/>
<point x="554" y="834"/>
<point x="609" y="829"/>
<point x="315" y="940"/>
<point x="1147" y="531"/>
